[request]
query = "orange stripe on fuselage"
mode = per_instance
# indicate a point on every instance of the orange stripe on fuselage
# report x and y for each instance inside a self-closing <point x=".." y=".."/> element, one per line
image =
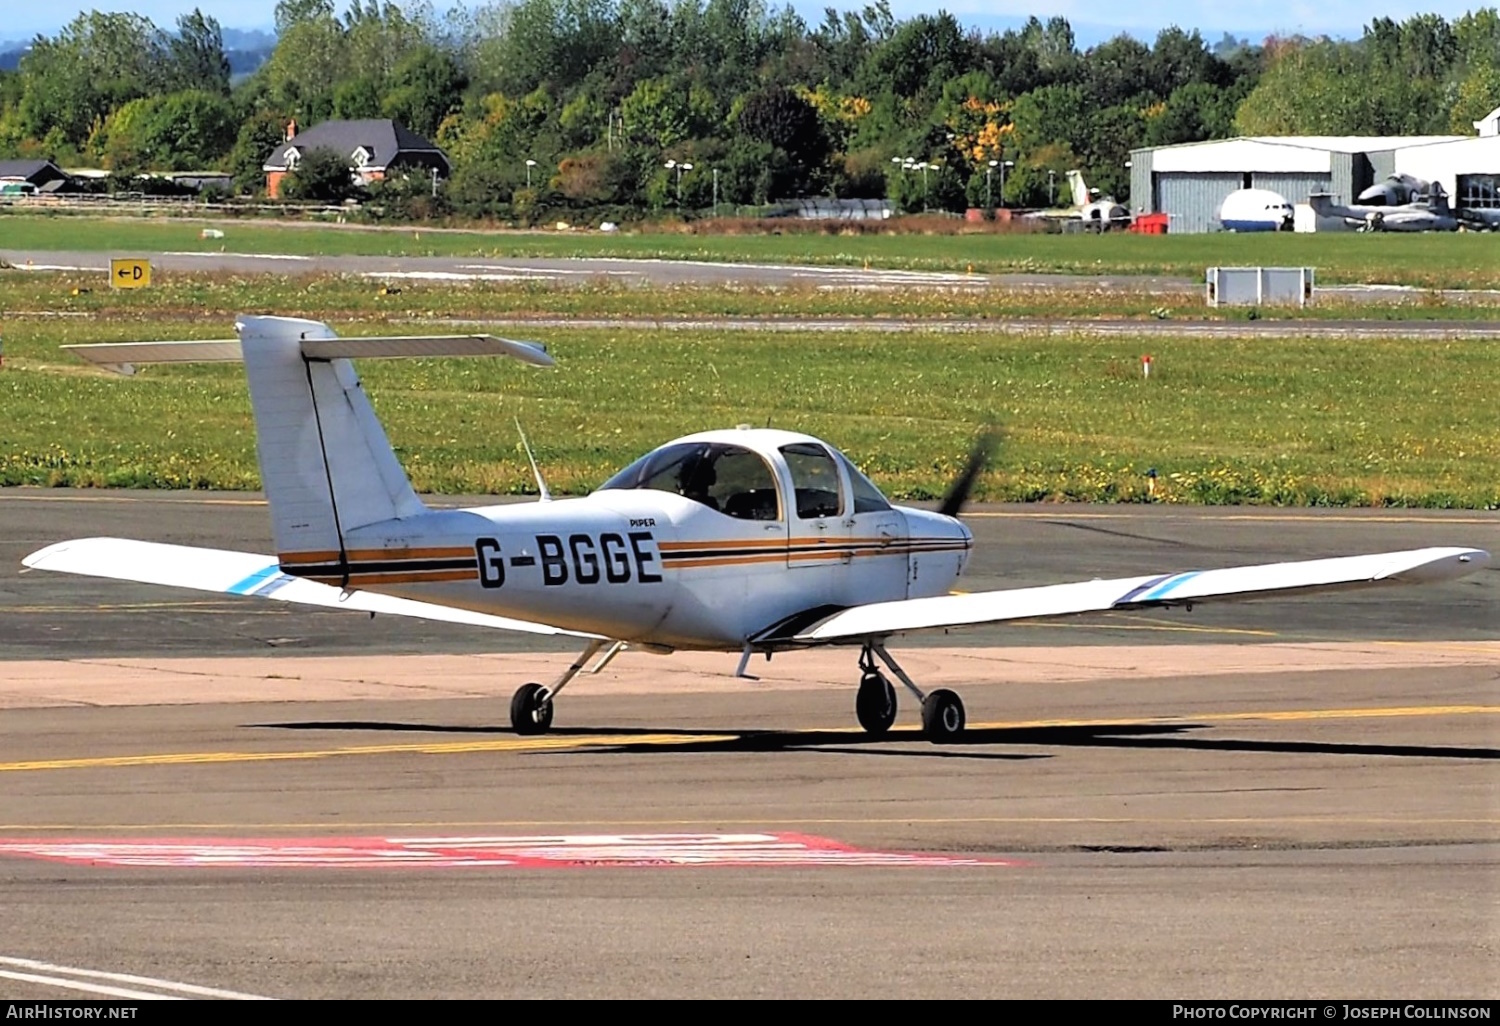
<point x="299" y="558"/>
<point x="754" y="543"/>
<point x="415" y="577"/>
<point x="445" y="552"/>
<point x="358" y="555"/>
<point x="821" y="555"/>
<point x="359" y="580"/>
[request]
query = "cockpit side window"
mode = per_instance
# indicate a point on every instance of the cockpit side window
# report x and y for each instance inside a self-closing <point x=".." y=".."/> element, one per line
<point x="867" y="498"/>
<point x="727" y="478"/>
<point x="816" y="479"/>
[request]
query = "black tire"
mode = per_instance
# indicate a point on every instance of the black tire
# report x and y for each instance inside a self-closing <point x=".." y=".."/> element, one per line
<point x="875" y="704"/>
<point x="942" y="716"/>
<point x="530" y="710"/>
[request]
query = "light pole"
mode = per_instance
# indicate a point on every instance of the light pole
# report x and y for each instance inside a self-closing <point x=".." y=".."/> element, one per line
<point x="529" y="165"/>
<point x="680" y="167"/>
<point x="1003" y="165"/>
<point x="908" y="164"/>
<point x="989" y="199"/>
<point x="716" y="192"/>
<point x="1051" y="187"/>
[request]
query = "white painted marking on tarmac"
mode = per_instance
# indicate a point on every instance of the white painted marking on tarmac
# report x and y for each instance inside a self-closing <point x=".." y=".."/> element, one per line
<point x="443" y="276"/>
<point x="237" y="256"/>
<point x="29" y="266"/>
<point x="63" y="972"/>
<point x="547" y="271"/>
<point x="548" y="851"/>
<point x="812" y="270"/>
<point x="87" y="988"/>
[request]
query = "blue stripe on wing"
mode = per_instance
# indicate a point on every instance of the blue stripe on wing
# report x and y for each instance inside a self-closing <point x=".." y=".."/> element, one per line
<point x="1167" y="586"/>
<point x="261" y="582"/>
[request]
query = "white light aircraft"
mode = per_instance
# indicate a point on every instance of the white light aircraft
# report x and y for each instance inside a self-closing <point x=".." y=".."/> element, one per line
<point x="745" y="540"/>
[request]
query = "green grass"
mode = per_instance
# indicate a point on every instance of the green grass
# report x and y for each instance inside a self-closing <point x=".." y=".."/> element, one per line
<point x="1461" y="260"/>
<point x="1401" y="422"/>
<point x="339" y="297"/>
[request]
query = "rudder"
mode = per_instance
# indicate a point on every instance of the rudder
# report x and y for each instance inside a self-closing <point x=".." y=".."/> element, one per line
<point x="325" y="461"/>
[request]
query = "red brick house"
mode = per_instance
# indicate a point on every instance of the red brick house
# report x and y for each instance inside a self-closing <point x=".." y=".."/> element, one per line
<point x="375" y="148"/>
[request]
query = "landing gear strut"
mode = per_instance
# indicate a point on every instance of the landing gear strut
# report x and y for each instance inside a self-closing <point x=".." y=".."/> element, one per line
<point x="942" y="711"/>
<point x="531" y="705"/>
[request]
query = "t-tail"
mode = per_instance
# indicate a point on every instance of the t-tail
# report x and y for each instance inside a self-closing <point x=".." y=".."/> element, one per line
<point x="325" y="461"/>
<point x="1081" y="197"/>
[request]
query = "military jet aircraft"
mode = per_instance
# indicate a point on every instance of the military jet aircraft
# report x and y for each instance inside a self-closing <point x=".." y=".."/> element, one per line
<point x="1429" y="213"/>
<point x="1094" y="212"/>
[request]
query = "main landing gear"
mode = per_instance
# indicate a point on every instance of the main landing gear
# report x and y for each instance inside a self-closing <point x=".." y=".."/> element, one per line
<point x="531" y="705"/>
<point x="875" y="704"/>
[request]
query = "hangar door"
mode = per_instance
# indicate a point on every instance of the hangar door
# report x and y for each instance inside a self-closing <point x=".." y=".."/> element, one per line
<point x="1192" y="199"/>
<point x="1293" y="187"/>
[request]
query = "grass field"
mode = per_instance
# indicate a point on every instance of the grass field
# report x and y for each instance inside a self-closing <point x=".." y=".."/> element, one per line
<point x="1298" y="422"/>
<point x="1459" y="260"/>
<point x="344" y="297"/>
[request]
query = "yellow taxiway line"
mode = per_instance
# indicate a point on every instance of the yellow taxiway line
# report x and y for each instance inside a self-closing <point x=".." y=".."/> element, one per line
<point x="564" y="742"/>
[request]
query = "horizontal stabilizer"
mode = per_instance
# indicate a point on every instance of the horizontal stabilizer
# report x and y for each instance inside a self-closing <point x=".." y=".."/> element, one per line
<point x="121" y="357"/>
<point x="1414" y="566"/>
<point x="245" y="573"/>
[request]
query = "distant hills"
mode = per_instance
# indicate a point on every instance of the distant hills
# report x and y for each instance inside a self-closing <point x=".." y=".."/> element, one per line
<point x="247" y="49"/>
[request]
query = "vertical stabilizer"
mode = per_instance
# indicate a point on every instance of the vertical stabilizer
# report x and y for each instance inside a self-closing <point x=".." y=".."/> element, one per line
<point x="1080" y="189"/>
<point x="325" y="461"/>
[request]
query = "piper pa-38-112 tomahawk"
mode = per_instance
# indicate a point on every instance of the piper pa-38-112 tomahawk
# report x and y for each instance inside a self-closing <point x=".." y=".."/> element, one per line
<point x="743" y="540"/>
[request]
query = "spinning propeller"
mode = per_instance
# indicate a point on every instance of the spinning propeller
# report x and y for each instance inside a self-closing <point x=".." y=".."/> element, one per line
<point x="979" y="458"/>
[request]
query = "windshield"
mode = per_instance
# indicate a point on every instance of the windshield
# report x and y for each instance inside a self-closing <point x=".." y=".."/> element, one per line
<point x="727" y="478"/>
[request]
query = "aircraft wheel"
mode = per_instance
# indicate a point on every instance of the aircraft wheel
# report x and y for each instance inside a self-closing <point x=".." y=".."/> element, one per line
<point x="530" y="711"/>
<point x="942" y="716"/>
<point x="875" y="704"/>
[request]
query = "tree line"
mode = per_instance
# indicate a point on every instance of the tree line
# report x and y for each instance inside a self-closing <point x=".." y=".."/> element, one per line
<point x="656" y="105"/>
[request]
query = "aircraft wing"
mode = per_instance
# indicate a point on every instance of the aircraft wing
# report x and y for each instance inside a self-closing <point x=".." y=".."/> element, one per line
<point x="245" y="573"/>
<point x="878" y="619"/>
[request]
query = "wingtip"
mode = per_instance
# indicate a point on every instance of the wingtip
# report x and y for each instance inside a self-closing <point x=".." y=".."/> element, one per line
<point x="37" y="560"/>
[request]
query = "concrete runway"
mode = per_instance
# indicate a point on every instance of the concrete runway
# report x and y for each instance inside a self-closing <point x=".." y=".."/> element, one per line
<point x="1269" y="800"/>
<point x="584" y="270"/>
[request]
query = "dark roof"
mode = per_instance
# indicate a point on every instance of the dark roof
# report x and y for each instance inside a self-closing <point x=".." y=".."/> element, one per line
<point x="385" y="141"/>
<point x="37" y="172"/>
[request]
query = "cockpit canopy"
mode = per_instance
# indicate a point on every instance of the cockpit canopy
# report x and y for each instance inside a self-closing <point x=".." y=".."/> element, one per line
<point x="740" y="482"/>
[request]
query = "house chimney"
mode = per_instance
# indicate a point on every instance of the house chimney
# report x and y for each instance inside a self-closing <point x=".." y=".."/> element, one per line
<point x="291" y="130"/>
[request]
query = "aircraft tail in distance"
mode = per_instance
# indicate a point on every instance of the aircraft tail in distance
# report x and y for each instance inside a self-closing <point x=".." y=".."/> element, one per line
<point x="1080" y="189"/>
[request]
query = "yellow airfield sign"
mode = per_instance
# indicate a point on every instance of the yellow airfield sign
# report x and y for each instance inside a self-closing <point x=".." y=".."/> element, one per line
<point x="129" y="273"/>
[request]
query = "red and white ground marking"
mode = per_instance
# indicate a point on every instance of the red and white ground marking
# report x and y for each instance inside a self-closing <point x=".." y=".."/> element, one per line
<point x="533" y="852"/>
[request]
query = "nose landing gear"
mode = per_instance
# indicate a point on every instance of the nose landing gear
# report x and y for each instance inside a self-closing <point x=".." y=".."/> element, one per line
<point x="531" y="705"/>
<point x="943" y="717"/>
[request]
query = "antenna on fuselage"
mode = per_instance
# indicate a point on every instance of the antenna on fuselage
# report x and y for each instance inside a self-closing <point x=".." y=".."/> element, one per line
<point x="536" y="472"/>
